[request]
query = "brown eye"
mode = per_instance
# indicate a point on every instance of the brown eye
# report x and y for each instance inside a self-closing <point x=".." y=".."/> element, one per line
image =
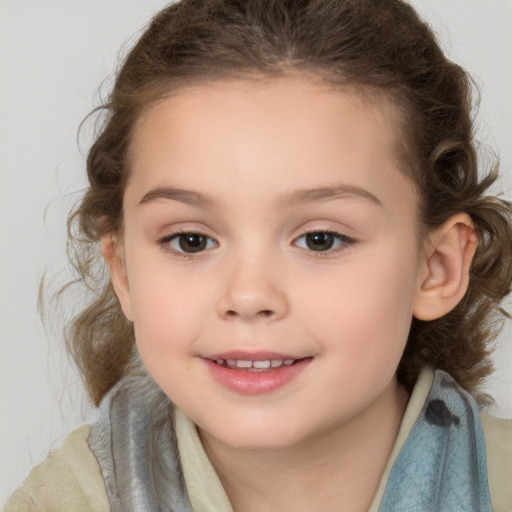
<point x="192" y="242"/>
<point x="189" y="242"/>
<point x="323" y="241"/>
<point x="319" y="241"/>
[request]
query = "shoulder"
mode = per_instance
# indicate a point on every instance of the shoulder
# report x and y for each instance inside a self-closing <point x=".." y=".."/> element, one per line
<point x="69" y="479"/>
<point x="498" y="444"/>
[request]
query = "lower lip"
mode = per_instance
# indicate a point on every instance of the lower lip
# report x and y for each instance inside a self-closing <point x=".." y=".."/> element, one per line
<point x="256" y="383"/>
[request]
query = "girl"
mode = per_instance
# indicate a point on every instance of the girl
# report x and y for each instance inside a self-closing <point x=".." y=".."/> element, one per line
<point x="305" y="273"/>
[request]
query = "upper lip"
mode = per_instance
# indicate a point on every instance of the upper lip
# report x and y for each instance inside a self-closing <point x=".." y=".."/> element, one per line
<point x="239" y="355"/>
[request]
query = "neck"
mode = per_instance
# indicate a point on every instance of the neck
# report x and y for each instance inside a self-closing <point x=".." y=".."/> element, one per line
<point x="340" y="470"/>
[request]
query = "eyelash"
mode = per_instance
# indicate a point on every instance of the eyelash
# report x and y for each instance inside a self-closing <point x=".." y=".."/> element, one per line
<point x="344" y="242"/>
<point x="166" y="241"/>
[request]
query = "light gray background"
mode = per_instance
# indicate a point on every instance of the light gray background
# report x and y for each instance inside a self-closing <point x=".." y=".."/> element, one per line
<point x="53" y="56"/>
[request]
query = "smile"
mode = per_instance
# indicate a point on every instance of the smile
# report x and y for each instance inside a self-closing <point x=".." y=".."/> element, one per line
<point x="254" y="366"/>
<point x="255" y="374"/>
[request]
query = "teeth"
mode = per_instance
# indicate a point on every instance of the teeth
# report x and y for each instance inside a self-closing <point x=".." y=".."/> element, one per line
<point x="259" y="365"/>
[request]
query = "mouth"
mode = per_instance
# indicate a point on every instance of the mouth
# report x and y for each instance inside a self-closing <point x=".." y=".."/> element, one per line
<point x="263" y="365"/>
<point x="255" y="374"/>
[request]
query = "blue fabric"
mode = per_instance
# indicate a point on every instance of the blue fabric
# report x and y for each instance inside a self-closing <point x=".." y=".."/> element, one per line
<point x="442" y="465"/>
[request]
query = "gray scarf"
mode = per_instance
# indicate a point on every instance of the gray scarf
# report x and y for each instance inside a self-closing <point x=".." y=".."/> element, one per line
<point x="441" y="467"/>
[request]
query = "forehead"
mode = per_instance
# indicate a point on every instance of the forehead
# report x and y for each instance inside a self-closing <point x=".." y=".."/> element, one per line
<point x="295" y="98"/>
<point x="265" y="135"/>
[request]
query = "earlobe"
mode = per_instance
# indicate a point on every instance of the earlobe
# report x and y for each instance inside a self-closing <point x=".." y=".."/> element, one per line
<point x="449" y="254"/>
<point x="111" y="248"/>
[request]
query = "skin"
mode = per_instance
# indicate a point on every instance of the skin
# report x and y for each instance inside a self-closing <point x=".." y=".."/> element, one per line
<point x="324" y="437"/>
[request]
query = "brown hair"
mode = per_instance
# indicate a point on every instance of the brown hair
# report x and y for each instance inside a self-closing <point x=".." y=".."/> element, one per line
<point x="377" y="45"/>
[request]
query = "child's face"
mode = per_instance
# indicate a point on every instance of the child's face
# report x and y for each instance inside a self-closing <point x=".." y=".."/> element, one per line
<point x="247" y="170"/>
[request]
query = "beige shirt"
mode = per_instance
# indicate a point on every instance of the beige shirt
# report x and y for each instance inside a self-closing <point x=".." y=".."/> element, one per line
<point x="70" y="480"/>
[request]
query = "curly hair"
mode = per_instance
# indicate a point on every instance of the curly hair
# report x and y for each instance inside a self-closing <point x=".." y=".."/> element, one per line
<point x="381" y="47"/>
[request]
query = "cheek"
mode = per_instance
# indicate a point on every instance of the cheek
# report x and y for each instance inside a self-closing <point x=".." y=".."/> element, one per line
<point x="166" y="306"/>
<point x="166" y="314"/>
<point x="365" y="308"/>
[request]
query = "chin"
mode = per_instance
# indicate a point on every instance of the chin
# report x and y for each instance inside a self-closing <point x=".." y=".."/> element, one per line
<point x="261" y="437"/>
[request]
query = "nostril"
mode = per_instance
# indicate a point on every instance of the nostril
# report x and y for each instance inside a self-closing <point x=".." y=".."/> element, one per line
<point x="264" y="313"/>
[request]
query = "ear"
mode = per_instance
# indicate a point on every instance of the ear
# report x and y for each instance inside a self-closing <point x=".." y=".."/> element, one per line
<point x="449" y="252"/>
<point x="111" y="247"/>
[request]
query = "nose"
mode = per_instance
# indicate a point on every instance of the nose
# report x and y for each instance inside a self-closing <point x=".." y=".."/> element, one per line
<point x="252" y="293"/>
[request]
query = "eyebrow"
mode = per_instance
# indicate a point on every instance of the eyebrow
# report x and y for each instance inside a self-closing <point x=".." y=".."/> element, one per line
<point x="295" y="197"/>
<point x="327" y="193"/>
<point x="178" y="194"/>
